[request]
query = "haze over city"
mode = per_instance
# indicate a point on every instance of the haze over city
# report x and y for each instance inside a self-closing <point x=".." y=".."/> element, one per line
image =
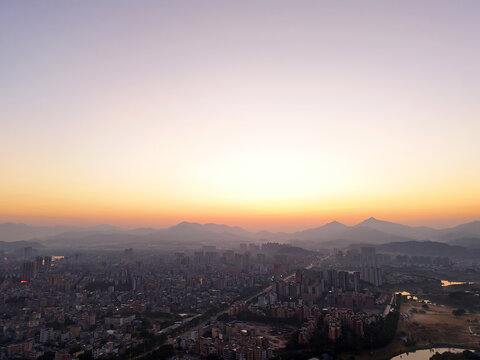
<point x="267" y="115"/>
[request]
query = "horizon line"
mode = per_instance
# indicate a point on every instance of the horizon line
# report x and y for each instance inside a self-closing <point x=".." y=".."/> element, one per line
<point x="121" y="227"/>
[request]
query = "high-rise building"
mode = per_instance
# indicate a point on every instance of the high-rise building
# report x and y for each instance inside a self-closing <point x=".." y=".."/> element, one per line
<point x="331" y="278"/>
<point x="39" y="263"/>
<point x="356" y="281"/>
<point x="368" y="256"/>
<point x="278" y="269"/>
<point x="372" y="275"/>
<point x="209" y="248"/>
<point x="254" y="248"/>
<point x="211" y="257"/>
<point x="28" y="271"/>
<point x="198" y="257"/>
<point x="261" y="258"/>
<point x="28" y="253"/>
<point x="47" y="263"/>
<point x="334" y="330"/>
<point x="342" y="279"/>
<point x="298" y="276"/>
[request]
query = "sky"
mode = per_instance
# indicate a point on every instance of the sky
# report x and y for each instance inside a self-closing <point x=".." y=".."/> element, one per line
<point x="268" y="114"/>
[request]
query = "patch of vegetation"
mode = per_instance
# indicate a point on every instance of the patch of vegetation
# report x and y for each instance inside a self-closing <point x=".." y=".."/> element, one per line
<point x="458" y="312"/>
<point x="87" y="355"/>
<point x="466" y="355"/>
<point x="458" y="299"/>
<point x="410" y="342"/>
<point x="464" y="300"/>
<point x="74" y="349"/>
<point x="163" y="352"/>
<point x="18" y="300"/>
<point x="49" y="355"/>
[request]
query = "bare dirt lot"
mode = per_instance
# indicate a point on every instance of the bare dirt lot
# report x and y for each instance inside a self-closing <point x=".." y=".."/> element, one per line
<point x="437" y="325"/>
<point x="277" y="335"/>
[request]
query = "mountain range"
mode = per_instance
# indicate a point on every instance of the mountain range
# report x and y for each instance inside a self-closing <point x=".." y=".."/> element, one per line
<point x="333" y="234"/>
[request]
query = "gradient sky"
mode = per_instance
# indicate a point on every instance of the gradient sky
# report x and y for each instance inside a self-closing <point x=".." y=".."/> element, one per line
<point x="265" y="114"/>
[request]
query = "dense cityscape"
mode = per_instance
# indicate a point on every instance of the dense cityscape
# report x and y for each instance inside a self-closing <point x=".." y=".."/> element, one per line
<point x="256" y="301"/>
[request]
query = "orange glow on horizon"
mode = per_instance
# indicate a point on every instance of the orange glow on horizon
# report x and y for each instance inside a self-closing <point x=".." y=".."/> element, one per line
<point x="294" y="117"/>
<point x="433" y="206"/>
<point x="433" y="213"/>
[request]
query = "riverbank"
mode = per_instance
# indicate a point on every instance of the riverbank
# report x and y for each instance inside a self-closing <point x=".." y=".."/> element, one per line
<point x="397" y="347"/>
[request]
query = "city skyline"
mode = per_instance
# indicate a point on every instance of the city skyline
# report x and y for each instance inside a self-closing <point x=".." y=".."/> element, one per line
<point x="264" y="115"/>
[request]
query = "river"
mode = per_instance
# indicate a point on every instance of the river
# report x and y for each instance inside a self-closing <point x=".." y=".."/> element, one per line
<point x="425" y="354"/>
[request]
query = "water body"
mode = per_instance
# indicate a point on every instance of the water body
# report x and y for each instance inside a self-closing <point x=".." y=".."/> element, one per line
<point x="412" y="297"/>
<point x="450" y="283"/>
<point x="407" y="294"/>
<point x="425" y="354"/>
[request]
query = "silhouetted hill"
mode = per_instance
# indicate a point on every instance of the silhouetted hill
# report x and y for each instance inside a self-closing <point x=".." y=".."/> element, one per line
<point x="157" y="239"/>
<point x="428" y="248"/>
<point x="177" y="237"/>
<point x="15" y="245"/>
<point x="413" y="232"/>
<point x="267" y="235"/>
<point x="295" y="250"/>
<point x="16" y="232"/>
<point x="189" y="227"/>
<point x="333" y="234"/>
<point x="328" y="231"/>
<point x="466" y="242"/>
<point x="471" y="229"/>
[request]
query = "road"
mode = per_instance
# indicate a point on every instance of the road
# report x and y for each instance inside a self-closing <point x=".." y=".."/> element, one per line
<point x="265" y="290"/>
<point x="170" y="329"/>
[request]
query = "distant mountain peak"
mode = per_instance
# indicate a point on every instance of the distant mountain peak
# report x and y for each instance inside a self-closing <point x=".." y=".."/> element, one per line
<point x="472" y="227"/>
<point x="335" y="223"/>
<point x="185" y="225"/>
<point x="374" y="221"/>
<point x="188" y="223"/>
